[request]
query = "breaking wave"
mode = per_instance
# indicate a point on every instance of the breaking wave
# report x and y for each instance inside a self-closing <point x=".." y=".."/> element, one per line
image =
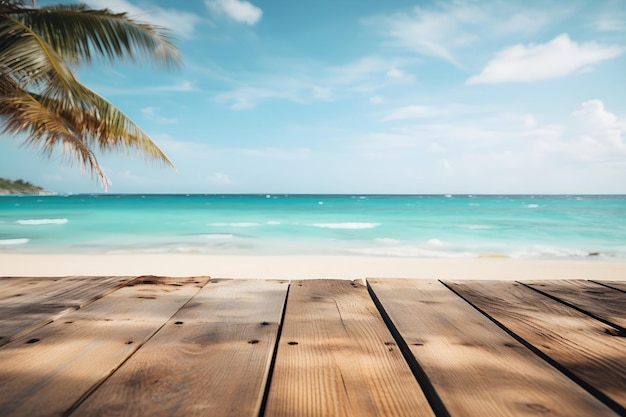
<point x="236" y="224"/>
<point x="37" y="222"/>
<point x="11" y="242"/>
<point x="347" y="226"/>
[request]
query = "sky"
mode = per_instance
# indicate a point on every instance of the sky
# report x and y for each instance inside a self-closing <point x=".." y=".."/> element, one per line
<point x="366" y="96"/>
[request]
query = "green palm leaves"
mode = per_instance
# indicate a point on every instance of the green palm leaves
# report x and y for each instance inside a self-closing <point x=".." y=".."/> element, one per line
<point x="41" y="97"/>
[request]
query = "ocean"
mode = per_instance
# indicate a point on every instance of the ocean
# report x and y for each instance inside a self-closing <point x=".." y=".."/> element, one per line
<point x="418" y="226"/>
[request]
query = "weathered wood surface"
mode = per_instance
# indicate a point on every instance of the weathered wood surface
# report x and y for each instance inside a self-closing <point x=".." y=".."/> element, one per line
<point x="10" y="286"/>
<point x="42" y="290"/>
<point x="618" y="285"/>
<point x="46" y="372"/>
<point x="336" y="357"/>
<point x="212" y="358"/>
<point x="606" y="304"/>
<point x="182" y="346"/>
<point x="29" y="303"/>
<point x="475" y="367"/>
<point x="579" y="344"/>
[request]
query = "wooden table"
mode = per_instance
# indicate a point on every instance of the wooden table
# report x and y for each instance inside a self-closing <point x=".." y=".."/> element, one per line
<point x="159" y="346"/>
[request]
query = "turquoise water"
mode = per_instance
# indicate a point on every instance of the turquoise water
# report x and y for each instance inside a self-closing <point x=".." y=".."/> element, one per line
<point x="425" y="226"/>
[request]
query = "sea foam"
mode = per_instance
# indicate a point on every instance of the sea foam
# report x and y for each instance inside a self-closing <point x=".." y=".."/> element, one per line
<point x="37" y="222"/>
<point x="387" y="241"/>
<point x="236" y="224"/>
<point x="347" y="225"/>
<point x="542" y="251"/>
<point x="475" y="226"/>
<point x="409" y="251"/>
<point x="213" y="236"/>
<point x="11" y="242"/>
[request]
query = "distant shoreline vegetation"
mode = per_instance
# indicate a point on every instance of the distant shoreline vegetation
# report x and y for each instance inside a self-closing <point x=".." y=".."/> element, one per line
<point x="19" y="187"/>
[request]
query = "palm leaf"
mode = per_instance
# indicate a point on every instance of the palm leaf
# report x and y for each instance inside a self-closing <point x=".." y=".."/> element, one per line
<point x="102" y="124"/>
<point x="29" y="59"/>
<point x="40" y="96"/>
<point x="21" y="112"/>
<point x="79" y="34"/>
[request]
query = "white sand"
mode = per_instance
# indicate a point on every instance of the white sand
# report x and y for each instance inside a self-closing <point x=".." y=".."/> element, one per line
<point x="305" y="267"/>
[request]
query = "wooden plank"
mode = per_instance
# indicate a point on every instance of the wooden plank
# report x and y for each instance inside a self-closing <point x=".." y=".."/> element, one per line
<point x="606" y="304"/>
<point x="46" y="289"/>
<point x="475" y="367"/>
<point x="212" y="358"/>
<point x="46" y="372"/>
<point x="578" y="344"/>
<point x="336" y="357"/>
<point x="618" y="285"/>
<point x="31" y="303"/>
<point x="141" y="291"/>
<point x="11" y="286"/>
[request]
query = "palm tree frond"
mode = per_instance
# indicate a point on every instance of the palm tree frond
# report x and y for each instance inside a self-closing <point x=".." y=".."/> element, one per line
<point x="27" y="56"/>
<point x="79" y="34"/>
<point x="39" y="94"/>
<point x="21" y="112"/>
<point x="104" y="125"/>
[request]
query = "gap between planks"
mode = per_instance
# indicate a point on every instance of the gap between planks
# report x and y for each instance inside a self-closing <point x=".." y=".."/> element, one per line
<point x="55" y="366"/>
<point x="475" y="367"/>
<point x="573" y="342"/>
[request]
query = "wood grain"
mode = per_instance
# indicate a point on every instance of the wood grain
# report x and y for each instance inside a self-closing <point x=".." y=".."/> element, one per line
<point x="336" y="357"/>
<point x="618" y="285"/>
<point x="212" y="358"/>
<point x="605" y="303"/>
<point x="475" y="367"/>
<point x="46" y="372"/>
<point x="180" y="346"/>
<point x="29" y="303"/>
<point x="576" y="342"/>
<point x="145" y="298"/>
<point x="11" y="286"/>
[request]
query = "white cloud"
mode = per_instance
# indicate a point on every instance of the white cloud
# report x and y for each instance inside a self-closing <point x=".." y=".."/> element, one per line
<point x="166" y="120"/>
<point x="445" y="165"/>
<point x="611" y="21"/>
<point x="593" y="134"/>
<point x="247" y="97"/>
<point x="425" y="32"/>
<point x="183" y="86"/>
<point x="149" y="111"/>
<point x="387" y="145"/>
<point x="376" y="100"/>
<point x="497" y="152"/>
<point x="240" y="11"/>
<point x="181" y="22"/>
<point x="308" y="81"/>
<point x="127" y="175"/>
<point x="322" y="93"/>
<point x="444" y="28"/>
<point x="593" y="114"/>
<point x="408" y="112"/>
<point x="529" y="120"/>
<point x="395" y="73"/>
<point x="435" y="147"/>
<point x="274" y="153"/>
<point x="153" y="114"/>
<point x="611" y="24"/>
<point x="398" y="74"/>
<point x="184" y="150"/>
<point x="218" y="178"/>
<point x="557" y="58"/>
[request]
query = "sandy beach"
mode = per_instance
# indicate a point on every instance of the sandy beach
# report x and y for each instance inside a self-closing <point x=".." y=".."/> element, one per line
<point x="305" y="267"/>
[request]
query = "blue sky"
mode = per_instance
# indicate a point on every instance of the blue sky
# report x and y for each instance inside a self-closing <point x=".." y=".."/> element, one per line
<point x="367" y="96"/>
